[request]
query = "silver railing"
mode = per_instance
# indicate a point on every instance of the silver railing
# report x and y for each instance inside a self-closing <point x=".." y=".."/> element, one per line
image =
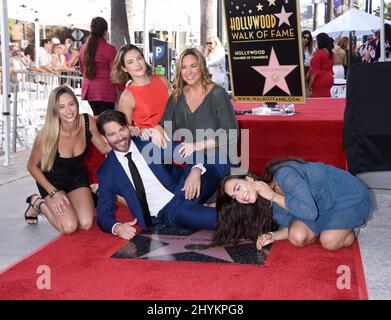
<point x="29" y="93"/>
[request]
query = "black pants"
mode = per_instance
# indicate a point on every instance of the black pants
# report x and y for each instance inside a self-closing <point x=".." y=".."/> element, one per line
<point x="99" y="106"/>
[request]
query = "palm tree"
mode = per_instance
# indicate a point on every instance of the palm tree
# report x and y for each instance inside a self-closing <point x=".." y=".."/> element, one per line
<point x="387" y="11"/>
<point x="329" y="12"/>
<point x="119" y="23"/>
<point x="206" y="20"/>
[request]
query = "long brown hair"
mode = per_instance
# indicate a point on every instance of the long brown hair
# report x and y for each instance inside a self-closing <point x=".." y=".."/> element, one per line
<point x="237" y="221"/>
<point x="30" y="50"/>
<point x="179" y="83"/>
<point x="310" y="44"/>
<point x="98" y="28"/>
<point x="118" y="75"/>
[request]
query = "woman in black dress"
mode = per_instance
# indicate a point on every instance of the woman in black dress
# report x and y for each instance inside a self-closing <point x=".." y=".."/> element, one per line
<point x="56" y="163"/>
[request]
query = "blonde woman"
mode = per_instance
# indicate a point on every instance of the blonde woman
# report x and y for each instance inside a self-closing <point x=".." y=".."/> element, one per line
<point x="58" y="59"/>
<point x="56" y="163"/>
<point x="343" y="43"/>
<point x="215" y="61"/>
<point x="340" y="60"/>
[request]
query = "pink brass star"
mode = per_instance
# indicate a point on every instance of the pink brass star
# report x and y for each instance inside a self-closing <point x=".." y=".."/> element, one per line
<point x="176" y="244"/>
<point x="283" y="17"/>
<point x="275" y="74"/>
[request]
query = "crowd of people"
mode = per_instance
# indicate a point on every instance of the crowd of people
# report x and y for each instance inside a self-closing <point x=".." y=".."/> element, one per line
<point x="54" y="57"/>
<point x="166" y="148"/>
<point x="321" y="69"/>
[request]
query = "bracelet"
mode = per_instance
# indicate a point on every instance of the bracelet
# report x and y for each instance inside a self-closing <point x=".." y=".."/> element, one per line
<point x="272" y="199"/>
<point x="272" y="234"/>
<point x="51" y="194"/>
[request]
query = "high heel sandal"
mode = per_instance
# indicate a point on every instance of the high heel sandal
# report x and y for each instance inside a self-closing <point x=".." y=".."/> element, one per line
<point x="39" y="201"/>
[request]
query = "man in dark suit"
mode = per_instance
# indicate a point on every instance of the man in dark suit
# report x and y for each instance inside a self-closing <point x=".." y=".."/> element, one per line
<point x="156" y="191"/>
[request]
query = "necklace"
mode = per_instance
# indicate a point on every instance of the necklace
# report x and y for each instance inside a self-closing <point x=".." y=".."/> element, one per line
<point x="195" y="95"/>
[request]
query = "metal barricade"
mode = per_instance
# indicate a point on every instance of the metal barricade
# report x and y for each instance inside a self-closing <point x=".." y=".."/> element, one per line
<point x="29" y="97"/>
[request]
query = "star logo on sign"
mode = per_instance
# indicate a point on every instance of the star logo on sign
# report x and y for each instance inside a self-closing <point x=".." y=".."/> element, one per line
<point x="259" y="7"/>
<point x="271" y="2"/>
<point x="283" y="17"/>
<point x="196" y="242"/>
<point x="275" y="74"/>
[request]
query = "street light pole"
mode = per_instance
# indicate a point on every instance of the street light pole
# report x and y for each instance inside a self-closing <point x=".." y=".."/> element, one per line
<point x="37" y="43"/>
<point x="6" y="83"/>
<point x="219" y="20"/>
<point x="382" y="40"/>
<point x="146" y="32"/>
<point x="329" y="11"/>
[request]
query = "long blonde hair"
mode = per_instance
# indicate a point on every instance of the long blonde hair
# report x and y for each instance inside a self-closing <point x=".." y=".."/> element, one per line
<point x="179" y="83"/>
<point x="50" y="132"/>
<point x="343" y="42"/>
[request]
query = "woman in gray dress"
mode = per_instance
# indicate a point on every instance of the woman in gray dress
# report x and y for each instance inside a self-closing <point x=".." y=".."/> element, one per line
<point x="199" y="112"/>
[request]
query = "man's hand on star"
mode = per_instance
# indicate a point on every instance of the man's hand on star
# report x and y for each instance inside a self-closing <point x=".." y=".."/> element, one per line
<point x="126" y="230"/>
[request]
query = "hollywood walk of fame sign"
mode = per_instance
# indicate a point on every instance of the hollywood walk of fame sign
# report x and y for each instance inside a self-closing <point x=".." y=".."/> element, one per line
<point x="265" y="50"/>
<point x="174" y="244"/>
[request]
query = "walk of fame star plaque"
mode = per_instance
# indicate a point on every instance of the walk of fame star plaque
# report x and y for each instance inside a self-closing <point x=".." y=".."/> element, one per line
<point x="265" y="50"/>
<point x="174" y="244"/>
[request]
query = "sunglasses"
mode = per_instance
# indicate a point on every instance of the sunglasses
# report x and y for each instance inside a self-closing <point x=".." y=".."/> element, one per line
<point x="209" y="43"/>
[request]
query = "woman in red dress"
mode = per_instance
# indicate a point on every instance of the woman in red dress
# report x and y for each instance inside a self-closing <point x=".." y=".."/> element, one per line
<point x="321" y="71"/>
<point x="145" y="97"/>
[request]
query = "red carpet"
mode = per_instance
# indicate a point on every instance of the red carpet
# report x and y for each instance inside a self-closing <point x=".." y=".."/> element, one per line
<point x="314" y="134"/>
<point x="81" y="268"/>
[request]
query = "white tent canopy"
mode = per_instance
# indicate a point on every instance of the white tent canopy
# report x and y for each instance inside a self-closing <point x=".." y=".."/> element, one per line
<point x="162" y="14"/>
<point x="352" y="20"/>
<point x="76" y="13"/>
<point x="168" y="15"/>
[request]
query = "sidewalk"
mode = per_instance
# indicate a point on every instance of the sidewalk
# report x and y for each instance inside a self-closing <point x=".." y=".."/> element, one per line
<point x="16" y="169"/>
<point x="17" y="239"/>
